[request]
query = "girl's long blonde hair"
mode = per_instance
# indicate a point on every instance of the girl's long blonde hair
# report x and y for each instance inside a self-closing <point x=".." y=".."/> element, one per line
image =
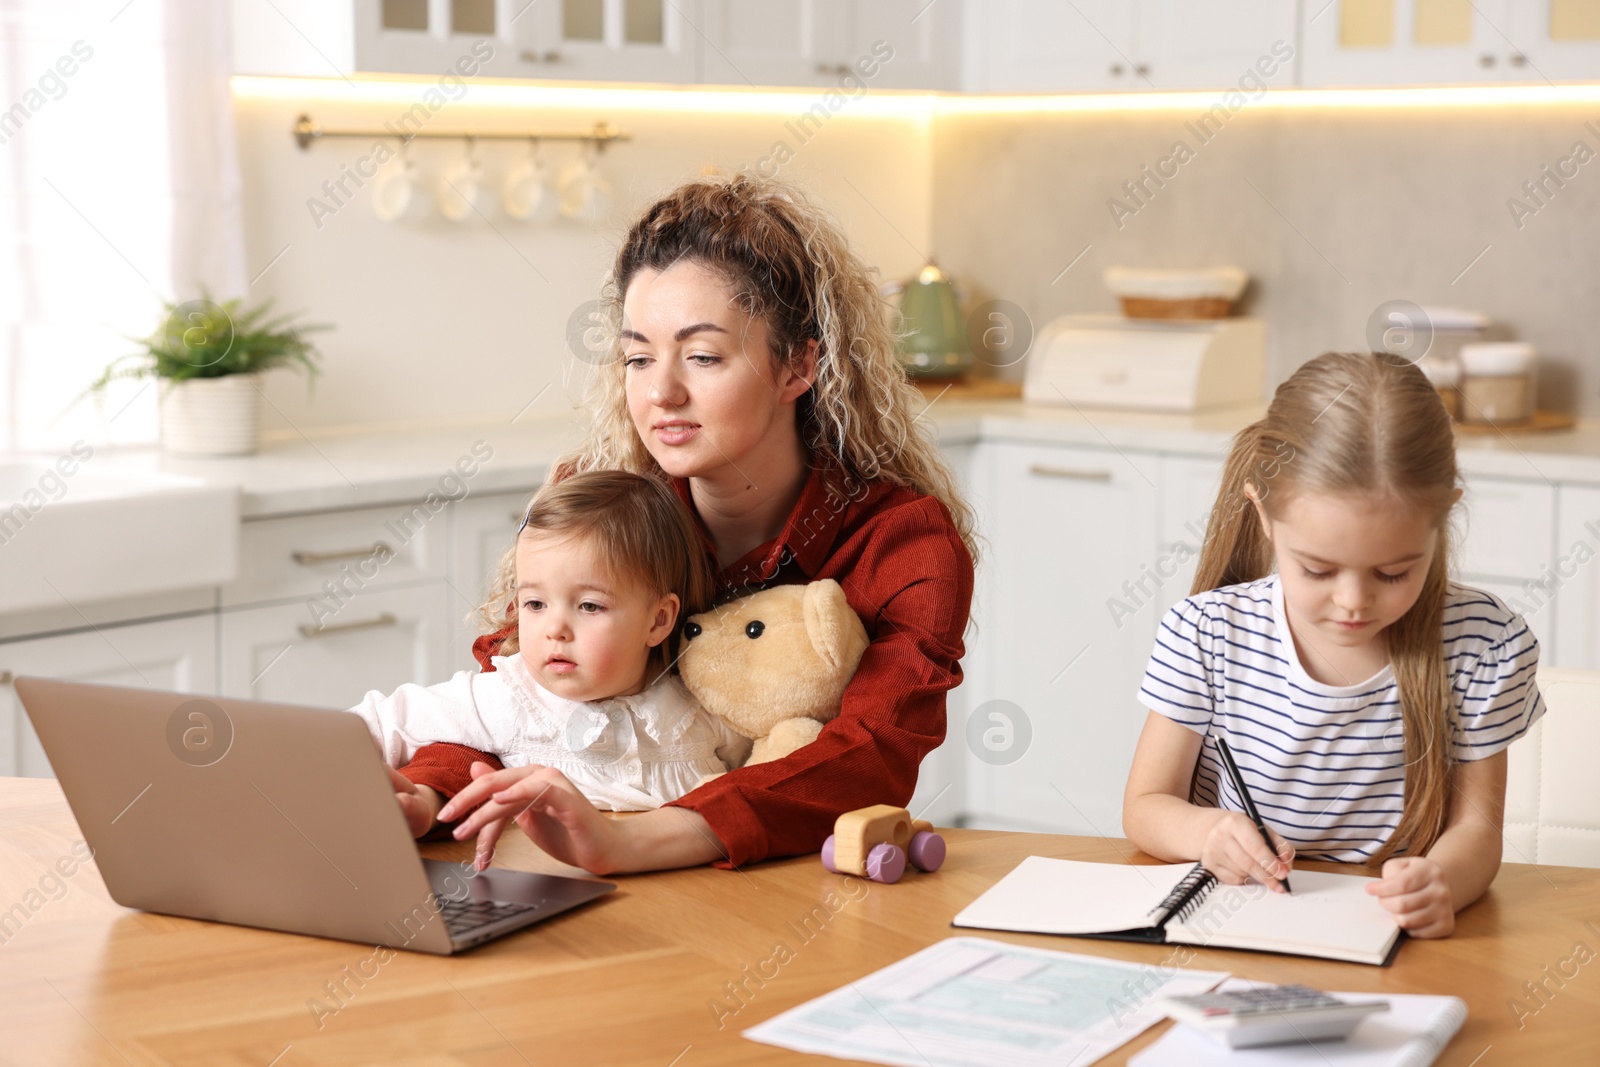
<point x="1371" y="423"/>
<point x="788" y="263"/>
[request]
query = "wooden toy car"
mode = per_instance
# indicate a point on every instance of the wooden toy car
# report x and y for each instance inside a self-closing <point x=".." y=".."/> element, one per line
<point x="876" y="842"/>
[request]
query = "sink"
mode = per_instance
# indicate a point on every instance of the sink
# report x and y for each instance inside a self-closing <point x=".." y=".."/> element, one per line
<point x="75" y="532"/>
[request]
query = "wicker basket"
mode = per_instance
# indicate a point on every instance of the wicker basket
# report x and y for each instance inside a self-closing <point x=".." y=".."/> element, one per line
<point x="1204" y="307"/>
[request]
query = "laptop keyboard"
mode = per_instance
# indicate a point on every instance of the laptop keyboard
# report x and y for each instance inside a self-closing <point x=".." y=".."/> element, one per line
<point x="461" y="917"/>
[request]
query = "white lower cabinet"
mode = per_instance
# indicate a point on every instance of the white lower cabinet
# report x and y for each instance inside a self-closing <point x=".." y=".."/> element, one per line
<point x="178" y="654"/>
<point x="485" y="527"/>
<point x="1052" y="724"/>
<point x="377" y="640"/>
<point x="941" y="789"/>
<point x="1574" y="582"/>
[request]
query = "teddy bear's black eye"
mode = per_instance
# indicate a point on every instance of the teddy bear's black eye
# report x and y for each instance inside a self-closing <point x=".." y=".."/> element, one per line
<point x="754" y="629"/>
<point x="691" y="630"/>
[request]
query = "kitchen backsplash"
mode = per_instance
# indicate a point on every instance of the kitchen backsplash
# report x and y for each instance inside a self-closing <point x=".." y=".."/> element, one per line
<point x="448" y="322"/>
<point x="1333" y="212"/>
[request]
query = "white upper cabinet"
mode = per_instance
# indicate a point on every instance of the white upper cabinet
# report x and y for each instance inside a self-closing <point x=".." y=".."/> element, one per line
<point x="1450" y="42"/>
<point x="602" y="40"/>
<point x="848" y="44"/>
<point x="977" y="45"/>
<point x="1045" y="45"/>
<point x="1558" y="40"/>
<point x="779" y="42"/>
<point x="1220" y="45"/>
<point x="1048" y="46"/>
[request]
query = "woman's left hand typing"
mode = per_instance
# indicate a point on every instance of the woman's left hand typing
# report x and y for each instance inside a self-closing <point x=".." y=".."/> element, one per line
<point x="1414" y="890"/>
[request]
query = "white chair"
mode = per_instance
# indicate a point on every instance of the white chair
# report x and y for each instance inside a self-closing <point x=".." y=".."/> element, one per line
<point x="1552" y="790"/>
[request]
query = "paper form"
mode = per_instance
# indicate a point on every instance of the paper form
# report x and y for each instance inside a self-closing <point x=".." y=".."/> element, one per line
<point x="973" y="1001"/>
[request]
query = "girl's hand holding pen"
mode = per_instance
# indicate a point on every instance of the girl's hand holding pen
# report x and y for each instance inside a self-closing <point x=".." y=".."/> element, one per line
<point x="1234" y="852"/>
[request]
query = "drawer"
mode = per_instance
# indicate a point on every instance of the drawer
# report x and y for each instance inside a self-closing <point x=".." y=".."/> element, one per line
<point x="1509" y="530"/>
<point x="301" y="555"/>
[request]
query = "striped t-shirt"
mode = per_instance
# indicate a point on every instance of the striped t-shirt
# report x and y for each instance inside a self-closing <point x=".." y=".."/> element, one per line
<point x="1326" y="764"/>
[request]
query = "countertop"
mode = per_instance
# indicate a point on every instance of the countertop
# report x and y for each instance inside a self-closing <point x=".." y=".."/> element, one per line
<point x="318" y="473"/>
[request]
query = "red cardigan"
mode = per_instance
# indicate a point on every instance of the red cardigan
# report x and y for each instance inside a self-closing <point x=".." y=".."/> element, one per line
<point x="906" y="572"/>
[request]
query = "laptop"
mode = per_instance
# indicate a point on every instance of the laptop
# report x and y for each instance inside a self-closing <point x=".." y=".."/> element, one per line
<point x="266" y="815"/>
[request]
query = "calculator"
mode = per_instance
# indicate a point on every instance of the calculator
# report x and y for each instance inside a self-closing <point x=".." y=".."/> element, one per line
<point x="1271" y="1015"/>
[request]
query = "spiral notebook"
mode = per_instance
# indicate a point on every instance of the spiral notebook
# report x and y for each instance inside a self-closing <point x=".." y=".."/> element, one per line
<point x="1329" y="915"/>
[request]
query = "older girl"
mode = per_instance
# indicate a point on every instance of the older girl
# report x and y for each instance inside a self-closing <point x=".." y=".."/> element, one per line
<point x="1369" y="700"/>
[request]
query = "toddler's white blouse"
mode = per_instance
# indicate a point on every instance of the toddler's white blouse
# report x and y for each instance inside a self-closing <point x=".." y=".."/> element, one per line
<point x="629" y="753"/>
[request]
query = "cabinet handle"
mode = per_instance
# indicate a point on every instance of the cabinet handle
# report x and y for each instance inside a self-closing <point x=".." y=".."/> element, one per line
<point x="1116" y="70"/>
<point x="6" y="677"/>
<point x="1075" y="474"/>
<point x="1142" y="69"/>
<point x="528" y="55"/>
<point x="314" y="559"/>
<point x="1486" y="60"/>
<point x="386" y="619"/>
<point x="1518" y="59"/>
<point x="833" y="68"/>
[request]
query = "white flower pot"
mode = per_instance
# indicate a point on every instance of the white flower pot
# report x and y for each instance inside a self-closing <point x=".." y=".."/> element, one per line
<point x="211" y="416"/>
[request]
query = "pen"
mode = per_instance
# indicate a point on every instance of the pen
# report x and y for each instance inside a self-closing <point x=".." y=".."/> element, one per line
<point x="1244" y="797"/>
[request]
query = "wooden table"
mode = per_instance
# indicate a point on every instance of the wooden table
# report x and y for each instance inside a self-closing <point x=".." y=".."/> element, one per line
<point x="637" y="977"/>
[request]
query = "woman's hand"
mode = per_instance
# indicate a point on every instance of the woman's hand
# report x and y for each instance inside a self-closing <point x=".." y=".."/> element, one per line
<point x="1234" y="852"/>
<point x="1415" y="891"/>
<point x="553" y="812"/>
<point x="418" y="803"/>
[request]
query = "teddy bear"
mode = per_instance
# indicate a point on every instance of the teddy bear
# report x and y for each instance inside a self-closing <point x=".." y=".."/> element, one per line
<point x="774" y="664"/>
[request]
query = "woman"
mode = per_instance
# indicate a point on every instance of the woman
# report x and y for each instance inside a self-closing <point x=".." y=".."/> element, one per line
<point x="756" y="370"/>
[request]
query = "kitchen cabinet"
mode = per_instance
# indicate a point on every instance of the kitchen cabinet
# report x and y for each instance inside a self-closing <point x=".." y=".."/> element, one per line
<point x="176" y="654"/>
<point x="1506" y="546"/>
<point x="1449" y="42"/>
<point x="1071" y="531"/>
<point x="884" y="44"/>
<point x="1573" y="583"/>
<point x="378" y="640"/>
<point x="484" y="528"/>
<point x="1123" y="45"/>
<point x="1559" y="38"/>
<point x="604" y="40"/>
<point x="726" y="42"/>
<point x="941" y="790"/>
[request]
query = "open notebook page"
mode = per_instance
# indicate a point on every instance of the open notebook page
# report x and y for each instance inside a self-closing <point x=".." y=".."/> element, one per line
<point x="1327" y="914"/>
<point x="1050" y="896"/>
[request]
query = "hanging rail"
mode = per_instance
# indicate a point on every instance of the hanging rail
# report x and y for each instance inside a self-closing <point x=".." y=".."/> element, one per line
<point x="306" y="130"/>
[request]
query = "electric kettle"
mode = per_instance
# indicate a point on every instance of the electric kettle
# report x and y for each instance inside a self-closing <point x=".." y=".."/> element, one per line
<point x="933" y="333"/>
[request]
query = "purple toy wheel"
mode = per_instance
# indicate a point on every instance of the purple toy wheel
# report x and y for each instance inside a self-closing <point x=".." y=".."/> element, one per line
<point x="886" y="863"/>
<point x="827" y="854"/>
<point x="926" y="851"/>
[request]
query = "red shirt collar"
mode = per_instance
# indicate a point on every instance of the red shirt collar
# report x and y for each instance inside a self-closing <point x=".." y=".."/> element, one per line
<point x="808" y="535"/>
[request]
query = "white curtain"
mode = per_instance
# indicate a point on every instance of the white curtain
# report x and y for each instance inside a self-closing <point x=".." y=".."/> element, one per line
<point x="119" y="188"/>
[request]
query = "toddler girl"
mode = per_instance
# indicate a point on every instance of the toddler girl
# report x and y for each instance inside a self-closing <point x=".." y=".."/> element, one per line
<point x="607" y="562"/>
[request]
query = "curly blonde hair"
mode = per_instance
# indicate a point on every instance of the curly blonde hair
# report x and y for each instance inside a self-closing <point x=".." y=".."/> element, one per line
<point x="788" y="263"/>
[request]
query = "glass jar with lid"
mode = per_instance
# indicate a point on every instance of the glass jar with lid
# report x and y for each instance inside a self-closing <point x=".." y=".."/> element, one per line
<point x="1497" y="382"/>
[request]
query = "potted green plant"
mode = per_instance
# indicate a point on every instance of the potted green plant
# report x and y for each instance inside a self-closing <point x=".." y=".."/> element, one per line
<point x="209" y="358"/>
